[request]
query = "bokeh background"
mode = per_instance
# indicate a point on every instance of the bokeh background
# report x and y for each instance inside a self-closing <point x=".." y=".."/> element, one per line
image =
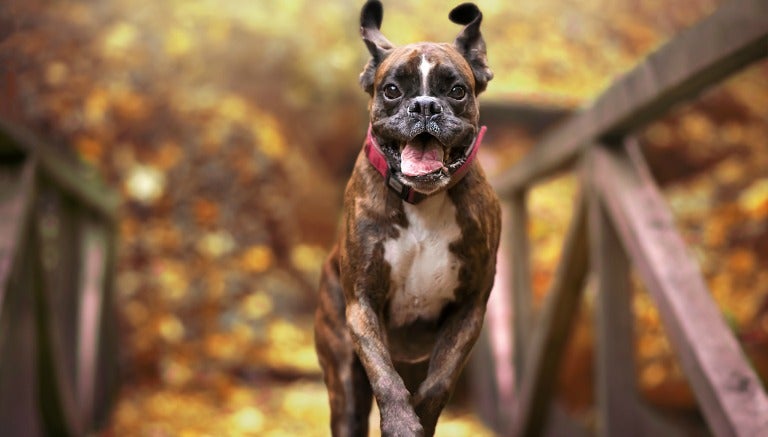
<point x="229" y="128"/>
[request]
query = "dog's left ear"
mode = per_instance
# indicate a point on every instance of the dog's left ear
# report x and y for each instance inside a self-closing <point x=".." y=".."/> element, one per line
<point x="470" y="43"/>
<point x="378" y="45"/>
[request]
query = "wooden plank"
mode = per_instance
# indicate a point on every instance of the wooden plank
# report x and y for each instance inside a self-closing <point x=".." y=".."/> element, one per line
<point x="56" y="403"/>
<point x="67" y="174"/>
<point x="733" y="37"/>
<point x="17" y="185"/>
<point x="19" y="413"/>
<point x="617" y="397"/>
<point x="60" y="231"/>
<point x="484" y="389"/>
<point x="106" y="378"/>
<point x="553" y="330"/>
<point x="90" y="318"/>
<point x="516" y="228"/>
<point x="727" y="389"/>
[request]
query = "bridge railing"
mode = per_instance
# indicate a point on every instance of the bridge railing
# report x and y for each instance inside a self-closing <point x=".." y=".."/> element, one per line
<point x="622" y="220"/>
<point x="57" y="253"/>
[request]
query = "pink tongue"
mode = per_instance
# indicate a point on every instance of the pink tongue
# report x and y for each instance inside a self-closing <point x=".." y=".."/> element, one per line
<point x="418" y="160"/>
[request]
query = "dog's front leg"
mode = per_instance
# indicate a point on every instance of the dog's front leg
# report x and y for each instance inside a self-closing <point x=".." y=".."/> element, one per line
<point x="398" y="417"/>
<point x="455" y="340"/>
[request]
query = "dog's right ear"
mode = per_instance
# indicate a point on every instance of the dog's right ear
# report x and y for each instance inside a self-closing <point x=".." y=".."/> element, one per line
<point x="378" y="45"/>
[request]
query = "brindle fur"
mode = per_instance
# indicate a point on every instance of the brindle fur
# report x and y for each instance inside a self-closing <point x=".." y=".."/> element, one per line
<point x="351" y="330"/>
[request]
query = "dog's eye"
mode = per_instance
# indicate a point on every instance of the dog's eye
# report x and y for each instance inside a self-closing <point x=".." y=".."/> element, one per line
<point x="392" y="92"/>
<point x="457" y="92"/>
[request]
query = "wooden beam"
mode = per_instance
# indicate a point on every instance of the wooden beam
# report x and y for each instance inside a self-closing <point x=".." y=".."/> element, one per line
<point x="19" y="404"/>
<point x="516" y="228"/>
<point x="553" y="330"/>
<point x="67" y="174"/>
<point x="91" y="291"/>
<point x="17" y="185"/>
<point x="617" y="396"/>
<point x="731" y="38"/>
<point x="727" y="389"/>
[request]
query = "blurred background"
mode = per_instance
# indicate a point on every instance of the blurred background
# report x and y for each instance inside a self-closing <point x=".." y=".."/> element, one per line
<point x="229" y="129"/>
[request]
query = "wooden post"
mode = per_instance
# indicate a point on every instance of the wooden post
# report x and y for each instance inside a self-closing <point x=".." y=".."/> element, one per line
<point x="553" y="329"/>
<point x="617" y="397"/>
<point x="516" y="227"/>
<point x="18" y="404"/>
<point x="729" y="393"/>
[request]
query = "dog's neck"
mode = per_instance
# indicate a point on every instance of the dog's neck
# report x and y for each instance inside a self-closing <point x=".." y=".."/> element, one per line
<point x="408" y="194"/>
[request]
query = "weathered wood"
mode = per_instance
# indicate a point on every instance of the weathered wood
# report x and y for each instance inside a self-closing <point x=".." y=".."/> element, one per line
<point x="553" y="330"/>
<point x="56" y="403"/>
<point x="19" y="411"/>
<point x="731" y="38"/>
<point x="66" y="174"/>
<point x="617" y="397"/>
<point x="106" y="375"/>
<point x="727" y="389"/>
<point x="17" y="182"/>
<point x="516" y="230"/>
<point x="92" y="287"/>
<point x="60" y="219"/>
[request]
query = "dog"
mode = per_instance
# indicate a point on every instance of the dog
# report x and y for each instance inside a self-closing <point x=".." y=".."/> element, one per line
<point x="403" y="292"/>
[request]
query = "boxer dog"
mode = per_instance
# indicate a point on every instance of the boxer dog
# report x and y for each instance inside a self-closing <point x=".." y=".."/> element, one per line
<point x="403" y="292"/>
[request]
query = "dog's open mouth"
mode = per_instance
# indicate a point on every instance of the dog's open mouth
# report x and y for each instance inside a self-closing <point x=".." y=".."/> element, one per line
<point x="421" y="156"/>
<point x="425" y="158"/>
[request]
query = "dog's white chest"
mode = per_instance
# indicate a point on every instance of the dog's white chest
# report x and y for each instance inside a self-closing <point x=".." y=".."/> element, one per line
<point x="424" y="273"/>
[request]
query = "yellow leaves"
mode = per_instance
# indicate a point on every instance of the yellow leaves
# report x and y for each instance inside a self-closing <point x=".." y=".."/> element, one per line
<point x="697" y="127"/>
<point x="256" y="305"/>
<point x="216" y="244"/>
<point x="257" y="259"/>
<point x="178" y="42"/>
<point x="119" y="38"/>
<point x="754" y="199"/>
<point x="270" y="140"/>
<point x="294" y="409"/>
<point x="172" y="279"/>
<point x="222" y="347"/>
<point x="290" y="346"/>
<point x="234" y="108"/>
<point x="307" y="258"/>
<point x="248" y="420"/>
<point x="176" y="371"/>
<point x="96" y="105"/>
<point x="308" y="403"/>
<point x="171" y="329"/>
<point x="652" y="375"/>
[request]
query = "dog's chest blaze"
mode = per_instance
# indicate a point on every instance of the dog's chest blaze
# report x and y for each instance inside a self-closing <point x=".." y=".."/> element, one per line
<point x="424" y="272"/>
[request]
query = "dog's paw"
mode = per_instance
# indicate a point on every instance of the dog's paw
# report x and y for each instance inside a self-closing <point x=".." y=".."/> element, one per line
<point x="401" y="422"/>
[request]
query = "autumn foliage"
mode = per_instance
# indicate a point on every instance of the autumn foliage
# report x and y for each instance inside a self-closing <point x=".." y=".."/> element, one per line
<point x="229" y="129"/>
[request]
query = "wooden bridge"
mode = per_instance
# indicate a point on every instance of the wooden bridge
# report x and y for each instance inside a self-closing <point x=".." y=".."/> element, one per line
<point x="57" y="242"/>
<point x="621" y="220"/>
<point x="57" y="249"/>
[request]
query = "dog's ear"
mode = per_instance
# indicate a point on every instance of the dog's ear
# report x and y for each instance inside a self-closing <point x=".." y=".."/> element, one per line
<point x="378" y="45"/>
<point x="470" y="43"/>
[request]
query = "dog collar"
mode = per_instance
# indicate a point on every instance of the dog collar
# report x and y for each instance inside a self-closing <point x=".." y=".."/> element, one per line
<point x="379" y="162"/>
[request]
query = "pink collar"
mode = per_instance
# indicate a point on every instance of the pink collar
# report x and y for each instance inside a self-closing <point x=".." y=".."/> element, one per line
<point x="379" y="162"/>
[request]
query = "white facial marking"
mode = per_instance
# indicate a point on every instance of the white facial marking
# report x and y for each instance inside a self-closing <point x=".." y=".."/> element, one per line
<point x="425" y="68"/>
<point x="425" y="274"/>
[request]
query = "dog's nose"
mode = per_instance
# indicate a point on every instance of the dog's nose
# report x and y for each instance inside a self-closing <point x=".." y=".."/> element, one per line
<point x="425" y="106"/>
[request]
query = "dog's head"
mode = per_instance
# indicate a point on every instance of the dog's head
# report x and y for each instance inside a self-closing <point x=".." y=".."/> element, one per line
<point x="423" y="108"/>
